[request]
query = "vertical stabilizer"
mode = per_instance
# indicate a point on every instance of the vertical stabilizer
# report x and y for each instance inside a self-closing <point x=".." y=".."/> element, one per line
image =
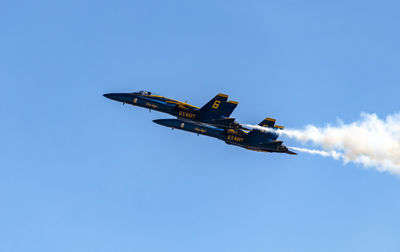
<point x="215" y="106"/>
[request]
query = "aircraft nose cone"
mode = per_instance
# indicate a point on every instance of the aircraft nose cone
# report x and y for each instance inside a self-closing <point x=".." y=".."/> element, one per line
<point x="110" y="96"/>
<point x="121" y="97"/>
<point x="173" y="123"/>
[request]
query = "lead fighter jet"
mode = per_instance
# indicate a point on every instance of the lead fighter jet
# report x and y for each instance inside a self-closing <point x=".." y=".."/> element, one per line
<point x="215" y="113"/>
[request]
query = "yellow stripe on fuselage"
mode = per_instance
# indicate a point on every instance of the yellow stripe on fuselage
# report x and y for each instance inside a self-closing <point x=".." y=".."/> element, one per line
<point x="167" y="100"/>
<point x="155" y="96"/>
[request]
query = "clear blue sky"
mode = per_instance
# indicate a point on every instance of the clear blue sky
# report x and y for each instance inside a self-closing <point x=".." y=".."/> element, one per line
<point x="79" y="172"/>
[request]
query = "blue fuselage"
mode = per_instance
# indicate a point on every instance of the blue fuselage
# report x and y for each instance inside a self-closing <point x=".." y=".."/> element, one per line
<point x="253" y="140"/>
<point x="175" y="108"/>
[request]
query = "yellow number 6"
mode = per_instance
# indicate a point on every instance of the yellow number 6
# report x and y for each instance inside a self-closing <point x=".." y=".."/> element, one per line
<point x="216" y="104"/>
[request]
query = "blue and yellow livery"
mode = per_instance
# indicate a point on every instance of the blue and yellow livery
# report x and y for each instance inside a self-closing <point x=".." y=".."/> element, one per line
<point x="216" y="112"/>
<point x="213" y="119"/>
<point x="255" y="139"/>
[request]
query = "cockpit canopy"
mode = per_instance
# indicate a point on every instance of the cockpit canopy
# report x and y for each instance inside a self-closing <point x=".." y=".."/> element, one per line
<point x="143" y="92"/>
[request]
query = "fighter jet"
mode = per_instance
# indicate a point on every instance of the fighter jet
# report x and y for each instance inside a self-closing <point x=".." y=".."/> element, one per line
<point x="215" y="113"/>
<point x="255" y="139"/>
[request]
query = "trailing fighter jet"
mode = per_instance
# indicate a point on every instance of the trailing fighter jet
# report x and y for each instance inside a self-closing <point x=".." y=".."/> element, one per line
<point x="215" y="113"/>
<point x="255" y="139"/>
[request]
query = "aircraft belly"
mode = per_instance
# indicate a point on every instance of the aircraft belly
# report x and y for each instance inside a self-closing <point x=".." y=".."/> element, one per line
<point x="191" y="127"/>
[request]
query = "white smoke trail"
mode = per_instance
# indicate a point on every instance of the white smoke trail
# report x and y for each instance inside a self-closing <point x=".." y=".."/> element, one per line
<point x="332" y="154"/>
<point x="370" y="141"/>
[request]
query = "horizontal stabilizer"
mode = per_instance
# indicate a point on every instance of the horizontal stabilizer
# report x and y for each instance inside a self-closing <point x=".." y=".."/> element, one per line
<point x="267" y="122"/>
<point x="273" y="144"/>
<point x="279" y="147"/>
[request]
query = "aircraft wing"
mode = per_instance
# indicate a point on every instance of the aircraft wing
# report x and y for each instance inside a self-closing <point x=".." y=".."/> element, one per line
<point x="179" y="104"/>
<point x="227" y="123"/>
